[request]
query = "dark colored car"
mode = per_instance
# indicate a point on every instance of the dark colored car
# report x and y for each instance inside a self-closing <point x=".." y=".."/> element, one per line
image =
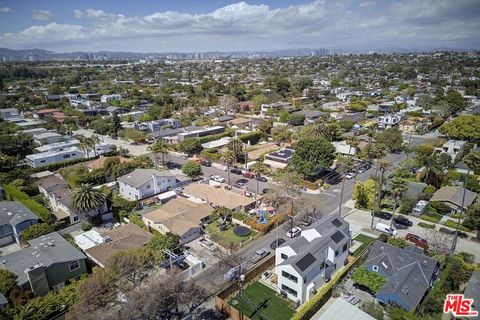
<point x="173" y="165"/>
<point x="207" y="163"/>
<point x="263" y="179"/>
<point x="401" y="220"/>
<point x="236" y="171"/>
<point x="249" y="175"/>
<point x="417" y="240"/>
<point x="264" y="191"/>
<point x="276" y="243"/>
<point x="383" y="215"/>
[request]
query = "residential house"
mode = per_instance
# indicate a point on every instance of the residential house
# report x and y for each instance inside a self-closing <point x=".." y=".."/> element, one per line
<point x="472" y="291"/>
<point x="452" y="196"/>
<point x="275" y="107"/>
<point x="47" y="138"/>
<point x="144" y="183"/>
<point x="452" y="148"/>
<point x="179" y="216"/>
<point x="341" y="309"/>
<point x="157" y="125"/>
<point x="262" y="149"/>
<point x="53" y="156"/>
<point x="386" y="106"/>
<point x="401" y="99"/>
<point x="388" y="121"/>
<point x="225" y="118"/>
<point x="240" y="123"/>
<point x="279" y="159"/>
<point x="216" y="144"/>
<point x="58" y="194"/>
<point x="8" y="113"/>
<point x="312" y="115"/>
<point x="246" y="106"/>
<point x="58" y="146"/>
<point x="48" y="263"/>
<point x="218" y="197"/>
<point x="125" y="237"/>
<point x="304" y="264"/>
<point x="106" y="98"/>
<point x="196" y="133"/>
<point x="409" y="273"/>
<point x="14" y="218"/>
<point x="342" y="147"/>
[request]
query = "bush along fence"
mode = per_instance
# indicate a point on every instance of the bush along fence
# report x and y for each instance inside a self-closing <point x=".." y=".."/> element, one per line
<point x="15" y="194"/>
<point x="321" y="297"/>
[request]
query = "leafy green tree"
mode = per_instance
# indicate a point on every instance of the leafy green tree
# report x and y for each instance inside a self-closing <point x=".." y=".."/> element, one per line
<point x="7" y="281"/>
<point x="392" y="138"/>
<point x="159" y="147"/>
<point x="455" y="100"/>
<point x="36" y="231"/>
<point x="364" y="193"/>
<point x="281" y="133"/>
<point x="399" y="187"/>
<point x="190" y="146"/>
<point x="136" y="136"/>
<point x="284" y="116"/>
<point x="312" y="155"/>
<point x="472" y="219"/>
<point x="296" y="119"/>
<point x="265" y="126"/>
<point x="397" y="242"/>
<point x="229" y="158"/>
<point x="86" y="199"/>
<point x="134" y="265"/>
<point x="192" y="169"/>
<point x="357" y="106"/>
<point x="258" y="168"/>
<point x="115" y="126"/>
<point x="463" y="127"/>
<point x="372" y="280"/>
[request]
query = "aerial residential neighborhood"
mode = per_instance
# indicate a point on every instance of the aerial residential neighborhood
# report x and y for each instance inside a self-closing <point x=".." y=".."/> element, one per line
<point x="219" y="160"/>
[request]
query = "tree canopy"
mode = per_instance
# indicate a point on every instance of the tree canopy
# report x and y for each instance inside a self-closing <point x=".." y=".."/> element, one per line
<point x="312" y="155"/>
<point x="463" y="128"/>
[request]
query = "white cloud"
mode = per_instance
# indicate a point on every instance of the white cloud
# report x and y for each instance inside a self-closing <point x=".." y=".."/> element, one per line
<point x="43" y="15"/>
<point x="241" y="26"/>
<point x="5" y="10"/>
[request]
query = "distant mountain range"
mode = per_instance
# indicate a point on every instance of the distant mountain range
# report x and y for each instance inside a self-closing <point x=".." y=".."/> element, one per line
<point x="42" y="55"/>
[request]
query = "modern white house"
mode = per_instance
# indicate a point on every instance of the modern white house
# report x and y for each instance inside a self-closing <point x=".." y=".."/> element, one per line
<point x="452" y="148"/>
<point x="157" y="125"/>
<point x="389" y="121"/>
<point x="59" y="146"/>
<point x="53" y="156"/>
<point x="275" y="107"/>
<point x="143" y="183"/>
<point x="48" y="137"/>
<point x="342" y="147"/>
<point x="304" y="264"/>
<point x="106" y="98"/>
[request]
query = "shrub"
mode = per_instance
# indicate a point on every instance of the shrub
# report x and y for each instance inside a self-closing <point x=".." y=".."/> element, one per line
<point x="429" y="191"/>
<point x="7" y="281"/>
<point x="253" y="137"/>
<point x="137" y="219"/>
<point x="431" y="217"/>
<point x="372" y="280"/>
<point x="13" y="193"/>
<point x="86" y="226"/>
<point x="36" y="231"/>
<point x="441" y="207"/>
<point x="308" y="184"/>
<point x="407" y="204"/>
<point x="426" y="225"/>
<point x="453" y="224"/>
<point x="397" y="242"/>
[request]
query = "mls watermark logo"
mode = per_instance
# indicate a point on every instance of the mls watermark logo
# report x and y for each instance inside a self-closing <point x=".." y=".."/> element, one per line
<point x="459" y="306"/>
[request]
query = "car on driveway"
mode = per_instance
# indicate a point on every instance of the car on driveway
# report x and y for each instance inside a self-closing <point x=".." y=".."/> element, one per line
<point x="249" y="175"/>
<point x="240" y="185"/>
<point x="217" y="178"/>
<point x="276" y="243"/>
<point x="417" y="240"/>
<point x="262" y="179"/>
<point x="259" y="255"/>
<point x="383" y="215"/>
<point x="294" y="232"/>
<point x="401" y="220"/>
<point x="350" y="175"/>
<point x="236" y="171"/>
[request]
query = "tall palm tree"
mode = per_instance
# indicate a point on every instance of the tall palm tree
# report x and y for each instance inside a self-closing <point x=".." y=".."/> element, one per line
<point x="229" y="158"/>
<point x="346" y="164"/>
<point x="159" y="147"/>
<point x="85" y="199"/>
<point x="85" y="146"/>
<point x="399" y="187"/>
<point x="236" y="146"/>
<point x="258" y="168"/>
<point x="472" y="161"/>
<point x="433" y="171"/>
<point x="383" y="166"/>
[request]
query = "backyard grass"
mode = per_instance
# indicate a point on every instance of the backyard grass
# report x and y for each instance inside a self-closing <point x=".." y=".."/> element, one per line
<point x="431" y="217"/>
<point x="453" y="224"/>
<point x="260" y="302"/>
<point x="426" y="225"/>
<point x="227" y="238"/>
<point x="365" y="240"/>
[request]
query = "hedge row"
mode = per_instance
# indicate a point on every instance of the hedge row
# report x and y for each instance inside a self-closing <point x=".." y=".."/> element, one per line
<point x="252" y="137"/>
<point x="13" y="193"/>
<point x="426" y="225"/>
<point x="212" y="137"/>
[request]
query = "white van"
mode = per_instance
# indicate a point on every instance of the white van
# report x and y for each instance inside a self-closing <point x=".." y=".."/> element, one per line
<point x="382" y="227"/>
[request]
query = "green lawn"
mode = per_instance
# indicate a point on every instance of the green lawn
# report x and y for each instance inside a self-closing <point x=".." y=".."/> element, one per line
<point x="431" y="217"/>
<point x="260" y="302"/>
<point x="365" y="240"/>
<point x="453" y="224"/>
<point x="227" y="238"/>
<point x="426" y="225"/>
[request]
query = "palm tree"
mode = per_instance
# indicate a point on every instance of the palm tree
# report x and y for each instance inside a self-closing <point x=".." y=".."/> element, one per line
<point x="399" y="187"/>
<point x="94" y="140"/>
<point x="472" y="161"/>
<point x="85" y="199"/>
<point x="228" y="157"/>
<point x="85" y="146"/>
<point x="382" y="166"/>
<point x="433" y="171"/>
<point x="236" y="146"/>
<point x="258" y="168"/>
<point x="346" y="164"/>
<point x="159" y="147"/>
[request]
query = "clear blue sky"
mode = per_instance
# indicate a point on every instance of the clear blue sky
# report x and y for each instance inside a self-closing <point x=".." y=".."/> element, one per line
<point x="202" y="25"/>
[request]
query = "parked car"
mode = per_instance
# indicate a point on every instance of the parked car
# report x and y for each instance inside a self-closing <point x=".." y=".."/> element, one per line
<point x="240" y="185"/>
<point x="261" y="178"/>
<point x="383" y="215"/>
<point x="276" y="243"/>
<point x="207" y="163"/>
<point x="236" y="171"/>
<point x="401" y="220"/>
<point x="362" y="169"/>
<point x="294" y="232"/>
<point x="249" y="175"/>
<point x="350" y="175"/>
<point x="417" y="240"/>
<point x="234" y="273"/>
<point x="382" y="227"/>
<point x="217" y="178"/>
<point x="259" y="255"/>
<point x="420" y="207"/>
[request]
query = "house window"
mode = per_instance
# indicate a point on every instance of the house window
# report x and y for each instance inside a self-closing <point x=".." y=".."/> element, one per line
<point x="74" y="265"/>
<point x="289" y="276"/>
<point x="283" y="256"/>
<point x="289" y="290"/>
<point x="345" y="247"/>
<point x="375" y="268"/>
<point x="148" y="186"/>
<point x="75" y="219"/>
<point x="322" y="265"/>
<point x="66" y="156"/>
<point x="42" y="161"/>
<point x="336" y="253"/>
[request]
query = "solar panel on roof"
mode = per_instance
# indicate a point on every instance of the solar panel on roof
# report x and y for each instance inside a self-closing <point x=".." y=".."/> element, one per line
<point x="336" y="223"/>
<point x="306" y="262"/>
<point x="337" y="236"/>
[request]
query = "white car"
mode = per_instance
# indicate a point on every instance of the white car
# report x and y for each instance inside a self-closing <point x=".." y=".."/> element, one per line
<point x="350" y="175"/>
<point x="295" y="231"/>
<point x="217" y="178"/>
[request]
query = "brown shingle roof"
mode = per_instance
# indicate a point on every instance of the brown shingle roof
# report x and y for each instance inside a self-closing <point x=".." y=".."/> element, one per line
<point x="218" y="196"/>
<point x="454" y="195"/>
